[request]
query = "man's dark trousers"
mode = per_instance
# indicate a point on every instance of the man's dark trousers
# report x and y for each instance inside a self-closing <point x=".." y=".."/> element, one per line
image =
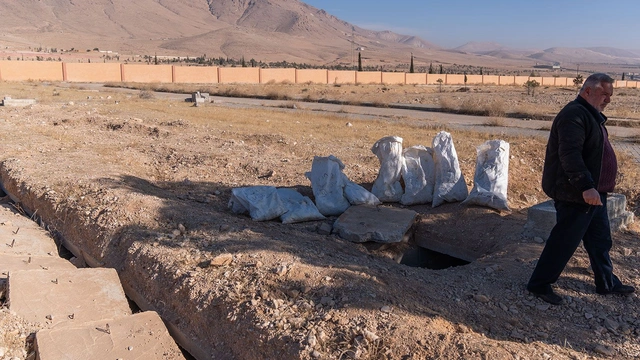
<point x="574" y="223"/>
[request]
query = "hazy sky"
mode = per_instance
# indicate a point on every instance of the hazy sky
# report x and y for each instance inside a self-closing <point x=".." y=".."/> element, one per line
<point x="537" y="24"/>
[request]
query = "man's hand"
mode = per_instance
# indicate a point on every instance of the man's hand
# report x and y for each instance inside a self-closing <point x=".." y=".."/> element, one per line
<point x="592" y="197"/>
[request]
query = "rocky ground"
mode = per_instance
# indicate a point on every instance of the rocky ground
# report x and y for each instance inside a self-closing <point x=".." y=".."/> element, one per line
<point x="142" y="183"/>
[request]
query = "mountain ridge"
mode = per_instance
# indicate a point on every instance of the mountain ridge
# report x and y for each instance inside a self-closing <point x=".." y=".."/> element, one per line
<point x="267" y="30"/>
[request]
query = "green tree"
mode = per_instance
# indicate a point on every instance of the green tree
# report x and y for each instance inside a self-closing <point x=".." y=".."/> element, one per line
<point x="430" y="68"/>
<point x="465" y="80"/>
<point x="242" y="62"/>
<point x="531" y="86"/>
<point x="439" y="81"/>
<point x="359" y="61"/>
<point x="411" y="66"/>
<point x="578" y="81"/>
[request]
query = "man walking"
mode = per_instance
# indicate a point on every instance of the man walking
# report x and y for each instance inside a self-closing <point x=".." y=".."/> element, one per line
<point x="580" y="168"/>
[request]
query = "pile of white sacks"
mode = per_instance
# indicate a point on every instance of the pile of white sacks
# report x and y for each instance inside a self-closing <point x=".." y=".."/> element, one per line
<point x="430" y="175"/>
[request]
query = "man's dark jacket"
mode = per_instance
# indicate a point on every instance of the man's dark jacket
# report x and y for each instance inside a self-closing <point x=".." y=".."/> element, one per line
<point x="574" y="152"/>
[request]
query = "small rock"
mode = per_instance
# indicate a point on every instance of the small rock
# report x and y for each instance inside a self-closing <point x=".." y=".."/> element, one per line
<point x="175" y="233"/>
<point x="385" y="309"/>
<point x="371" y="336"/>
<point x="481" y="298"/>
<point x="222" y="260"/>
<point x="181" y="228"/>
<point x="281" y="270"/>
<point x="588" y="315"/>
<point x="130" y="348"/>
<point x="315" y="354"/>
<point x="627" y="251"/>
<point x="325" y="229"/>
<point x="538" y="240"/>
<point x="542" y="307"/>
<point x="311" y="340"/>
<point x="349" y="124"/>
<point x="603" y="350"/>
<point x="611" y="324"/>
<point x="530" y="199"/>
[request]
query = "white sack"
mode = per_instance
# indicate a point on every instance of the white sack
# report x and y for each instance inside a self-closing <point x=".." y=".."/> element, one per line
<point x="261" y="202"/>
<point x="450" y="185"/>
<point x="357" y="195"/>
<point x="299" y="208"/>
<point x="419" y="175"/>
<point x="492" y="176"/>
<point x="387" y="187"/>
<point x="327" y="183"/>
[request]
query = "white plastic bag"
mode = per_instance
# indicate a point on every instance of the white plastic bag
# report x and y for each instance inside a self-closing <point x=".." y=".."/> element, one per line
<point x="357" y="195"/>
<point x="261" y="202"/>
<point x="327" y="183"/>
<point x="492" y="176"/>
<point x="450" y="185"/>
<point x="419" y="175"/>
<point x="387" y="187"/>
<point x="299" y="208"/>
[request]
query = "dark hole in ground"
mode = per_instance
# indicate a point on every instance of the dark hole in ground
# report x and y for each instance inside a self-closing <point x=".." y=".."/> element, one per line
<point x="425" y="258"/>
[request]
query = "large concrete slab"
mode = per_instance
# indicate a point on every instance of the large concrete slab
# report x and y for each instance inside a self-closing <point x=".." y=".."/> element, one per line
<point x="541" y="218"/>
<point x="31" y="262"/>
<point x="27" y="262"/>
<point x="141" y="336"/>
<point x="375" y="223"/>
<point x="55" y="297"/>
<point x="20" y="235"/>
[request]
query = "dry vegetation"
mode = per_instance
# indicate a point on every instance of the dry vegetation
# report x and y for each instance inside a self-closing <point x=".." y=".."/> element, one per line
<point x="493" y="101"/>
<point x="118" y="172"/>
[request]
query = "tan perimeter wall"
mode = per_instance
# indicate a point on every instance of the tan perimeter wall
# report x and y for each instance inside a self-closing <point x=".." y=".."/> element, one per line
<point x="369" y="77"/>
<point x="416" y="79"/>
<point x="311" y="76"/>
<point x="491" y="79"/>
<point x="287" y="76"/>
<point x="84" y="72"/>
<point x="195" y="74"/>
<point x="238" y="75"/>
<point x="341" y="77"/>
<point x="393" y="78"/>
<point x="31" y="70"/>
<point x="145" y="73"/>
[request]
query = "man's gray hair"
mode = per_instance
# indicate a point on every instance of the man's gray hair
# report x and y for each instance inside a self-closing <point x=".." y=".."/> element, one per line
<point x="594" y="80"/>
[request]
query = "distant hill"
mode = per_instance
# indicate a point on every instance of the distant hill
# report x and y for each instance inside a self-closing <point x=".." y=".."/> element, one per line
<point x="265" y="30"/>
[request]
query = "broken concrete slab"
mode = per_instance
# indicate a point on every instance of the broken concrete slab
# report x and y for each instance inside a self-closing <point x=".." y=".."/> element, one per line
<point x="375" y="223"/>
<point x="54" y="297"/>
<point x="541" y="218"/>
<point x="140" y="336"/>
<point x="10" y="263"/>
<point x="8" y="101"/>
<point x="20" y="235"/>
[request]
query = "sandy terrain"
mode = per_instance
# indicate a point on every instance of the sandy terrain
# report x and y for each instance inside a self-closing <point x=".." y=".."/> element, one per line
<point x="142" y="184"/>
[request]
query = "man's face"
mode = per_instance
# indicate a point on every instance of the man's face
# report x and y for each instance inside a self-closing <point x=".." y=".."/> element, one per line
<point x="599" y="96"/>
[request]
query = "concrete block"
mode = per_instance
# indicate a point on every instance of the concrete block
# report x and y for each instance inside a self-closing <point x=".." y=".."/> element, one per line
<point x="55" y="297"/>
<point x="10" y="263"/>
<point x="541" y="218"/>
<point x="8" y="101"/>
<point x="20" y="235"/>
<point x="375" y="223"/>
<point x="140" y="336"/>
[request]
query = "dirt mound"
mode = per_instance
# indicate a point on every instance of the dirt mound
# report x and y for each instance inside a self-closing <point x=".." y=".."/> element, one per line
<point x="142" y="185"/>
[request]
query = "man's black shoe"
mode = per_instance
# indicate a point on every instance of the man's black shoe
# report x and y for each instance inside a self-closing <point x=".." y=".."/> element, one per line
<point x="618" y="289"/>
<point x="552" y="298"/>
